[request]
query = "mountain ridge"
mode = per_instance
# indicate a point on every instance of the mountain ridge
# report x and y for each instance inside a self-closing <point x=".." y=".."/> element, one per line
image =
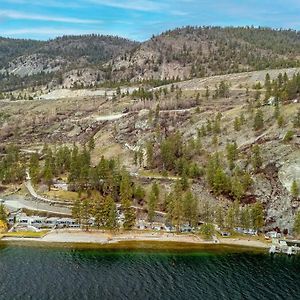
<point x="179" y="54"/>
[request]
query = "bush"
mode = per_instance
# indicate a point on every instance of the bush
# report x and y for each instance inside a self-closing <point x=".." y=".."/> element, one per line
<point x="207" y="230"/>
<point x="288" y="136"/>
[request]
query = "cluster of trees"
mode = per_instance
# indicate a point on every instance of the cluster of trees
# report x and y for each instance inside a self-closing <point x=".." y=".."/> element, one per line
<point x="211" y="127"/>
<point x="174" y="155"/>
<point x="296" y="121"/>
<point x="11" y="82"/>
<point x="297" y="224"/>
<point x="12" y="166"/>
<point x="246" y="217"/>
<point x="98" y="186"/>
<point x="184" y="208"/>
<point x="102" y="208"/>
<point x="239" y="122"/>
<point x="283" y="88"/>
<point x="142" y="94"/>
<point x="235" y="182"/>
<point x="258" y="122"/>
<point x="215" y="50"/>
<point x="96" y="50"/>
<point x="222" y="90"/>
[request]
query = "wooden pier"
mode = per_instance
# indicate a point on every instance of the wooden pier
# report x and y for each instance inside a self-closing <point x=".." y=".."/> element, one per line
<point x="289" y="247"/>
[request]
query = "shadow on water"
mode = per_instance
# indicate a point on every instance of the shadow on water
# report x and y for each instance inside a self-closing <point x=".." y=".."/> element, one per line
<point x="143" y="270"/>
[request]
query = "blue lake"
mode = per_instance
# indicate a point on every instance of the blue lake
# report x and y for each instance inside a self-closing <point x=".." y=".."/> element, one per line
<point x="69" y="273"/>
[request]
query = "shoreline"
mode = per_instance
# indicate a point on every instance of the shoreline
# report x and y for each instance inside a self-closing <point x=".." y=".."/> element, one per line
<point x="135" y="240"/>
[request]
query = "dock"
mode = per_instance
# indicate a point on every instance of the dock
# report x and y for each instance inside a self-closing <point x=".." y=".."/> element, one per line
<point x="288" y="247"/>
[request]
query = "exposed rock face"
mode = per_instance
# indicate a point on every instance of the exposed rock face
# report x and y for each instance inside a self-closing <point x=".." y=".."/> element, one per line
<point x="34" y="64"/>
<point x="290" y="170"/>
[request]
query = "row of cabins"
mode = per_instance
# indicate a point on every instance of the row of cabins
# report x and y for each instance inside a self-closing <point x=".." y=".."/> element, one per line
<point x="238" y="230"/>
<point x="39" y="222"/>
<point x="142" y="225"/>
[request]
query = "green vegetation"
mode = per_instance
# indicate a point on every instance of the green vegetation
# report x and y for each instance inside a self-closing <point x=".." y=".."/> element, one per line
<point x="297" y="224"/>
<point x="12" y="166"/>
<point x="283" y="88"/>
<point x="258" y="120"/>
<point x="207" y="230"/>
<point x="26" y="234"/>
<point x="288" y="136"/>
<point x="295" y="189"/>
<point x="99" y="187"/>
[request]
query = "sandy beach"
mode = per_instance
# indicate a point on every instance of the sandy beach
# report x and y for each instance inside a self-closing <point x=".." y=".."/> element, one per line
<point x="74" y="236"/>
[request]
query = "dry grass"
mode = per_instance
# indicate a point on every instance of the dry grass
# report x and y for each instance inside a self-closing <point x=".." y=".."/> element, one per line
<point x="62" y="195"/>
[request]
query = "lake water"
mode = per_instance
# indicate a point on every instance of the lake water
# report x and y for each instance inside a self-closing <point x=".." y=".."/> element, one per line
<point x="65" y="273"/>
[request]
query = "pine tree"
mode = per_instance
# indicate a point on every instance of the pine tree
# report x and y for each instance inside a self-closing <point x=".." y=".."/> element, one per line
<point x="258" y="120"/>
<point x="34" y="168"/>
<point x="220" y="182"/>
<point x="48" y="176"/>
<point x="190" y="209"/>
<point x="151" y="206"/>
<point x="3" y="214"/>
<point x="242" y="119"/>
<point x="257" y="216"/>
<point x="85" y="213"/>
<point x="207" y="93"/>
<point x="295" y="189"/>
<point x="280" y="121"/>
<point x="126" y="193"/>
<point x="91" y="144"/>
<point x="237" y="211"/>
<point x="150" y="154"/>
<point x="256" y="158"/>
<point x="237" y="187"/>
<point x="296" y="227"/>
<point x="76" y="210"/>
<point x="139" y="193"/>
<point x="100" y="212"/>
<point x="111" y="217"/>
<point x="219" y="216"/>
<point x="153" y="201"/>
<point x="232" y="154"/>
<point x="230" y="218"/>
<point x="296" y="120"/>
<point x="177" y="212"/>
<point x="237" y="124"/>
<point x="245" y="218"/>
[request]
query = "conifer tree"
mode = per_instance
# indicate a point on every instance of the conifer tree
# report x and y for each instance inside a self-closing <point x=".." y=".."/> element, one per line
<point x="3" y="214"/>
<point x="91" y="144"/>
<point x="219" y="216"/>
<point x="237" y="124"/>
<point x="111" y="213"/>
<point x="256" y="158"/>
<point x="34" y="168"/>
<point x="295" y="189"/>
<point x="257" y="216"/>
<point x="126" y="193"/>
<point x="258" y="120"/>
<point x="151" y="206"/>
<point x="296" y="227"/>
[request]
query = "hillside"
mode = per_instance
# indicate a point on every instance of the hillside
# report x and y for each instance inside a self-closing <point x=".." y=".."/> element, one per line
<point x="26" y="63"/>
<point x="184" y="53"/>
<point x="230" y="147"/>
<point x="204" y="51"/>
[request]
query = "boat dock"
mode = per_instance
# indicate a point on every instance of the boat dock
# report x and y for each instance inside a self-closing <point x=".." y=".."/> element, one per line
<point x="289" y="247"/>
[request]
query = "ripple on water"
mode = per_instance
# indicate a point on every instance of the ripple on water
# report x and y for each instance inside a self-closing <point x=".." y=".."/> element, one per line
<point x="40" y="273"/>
